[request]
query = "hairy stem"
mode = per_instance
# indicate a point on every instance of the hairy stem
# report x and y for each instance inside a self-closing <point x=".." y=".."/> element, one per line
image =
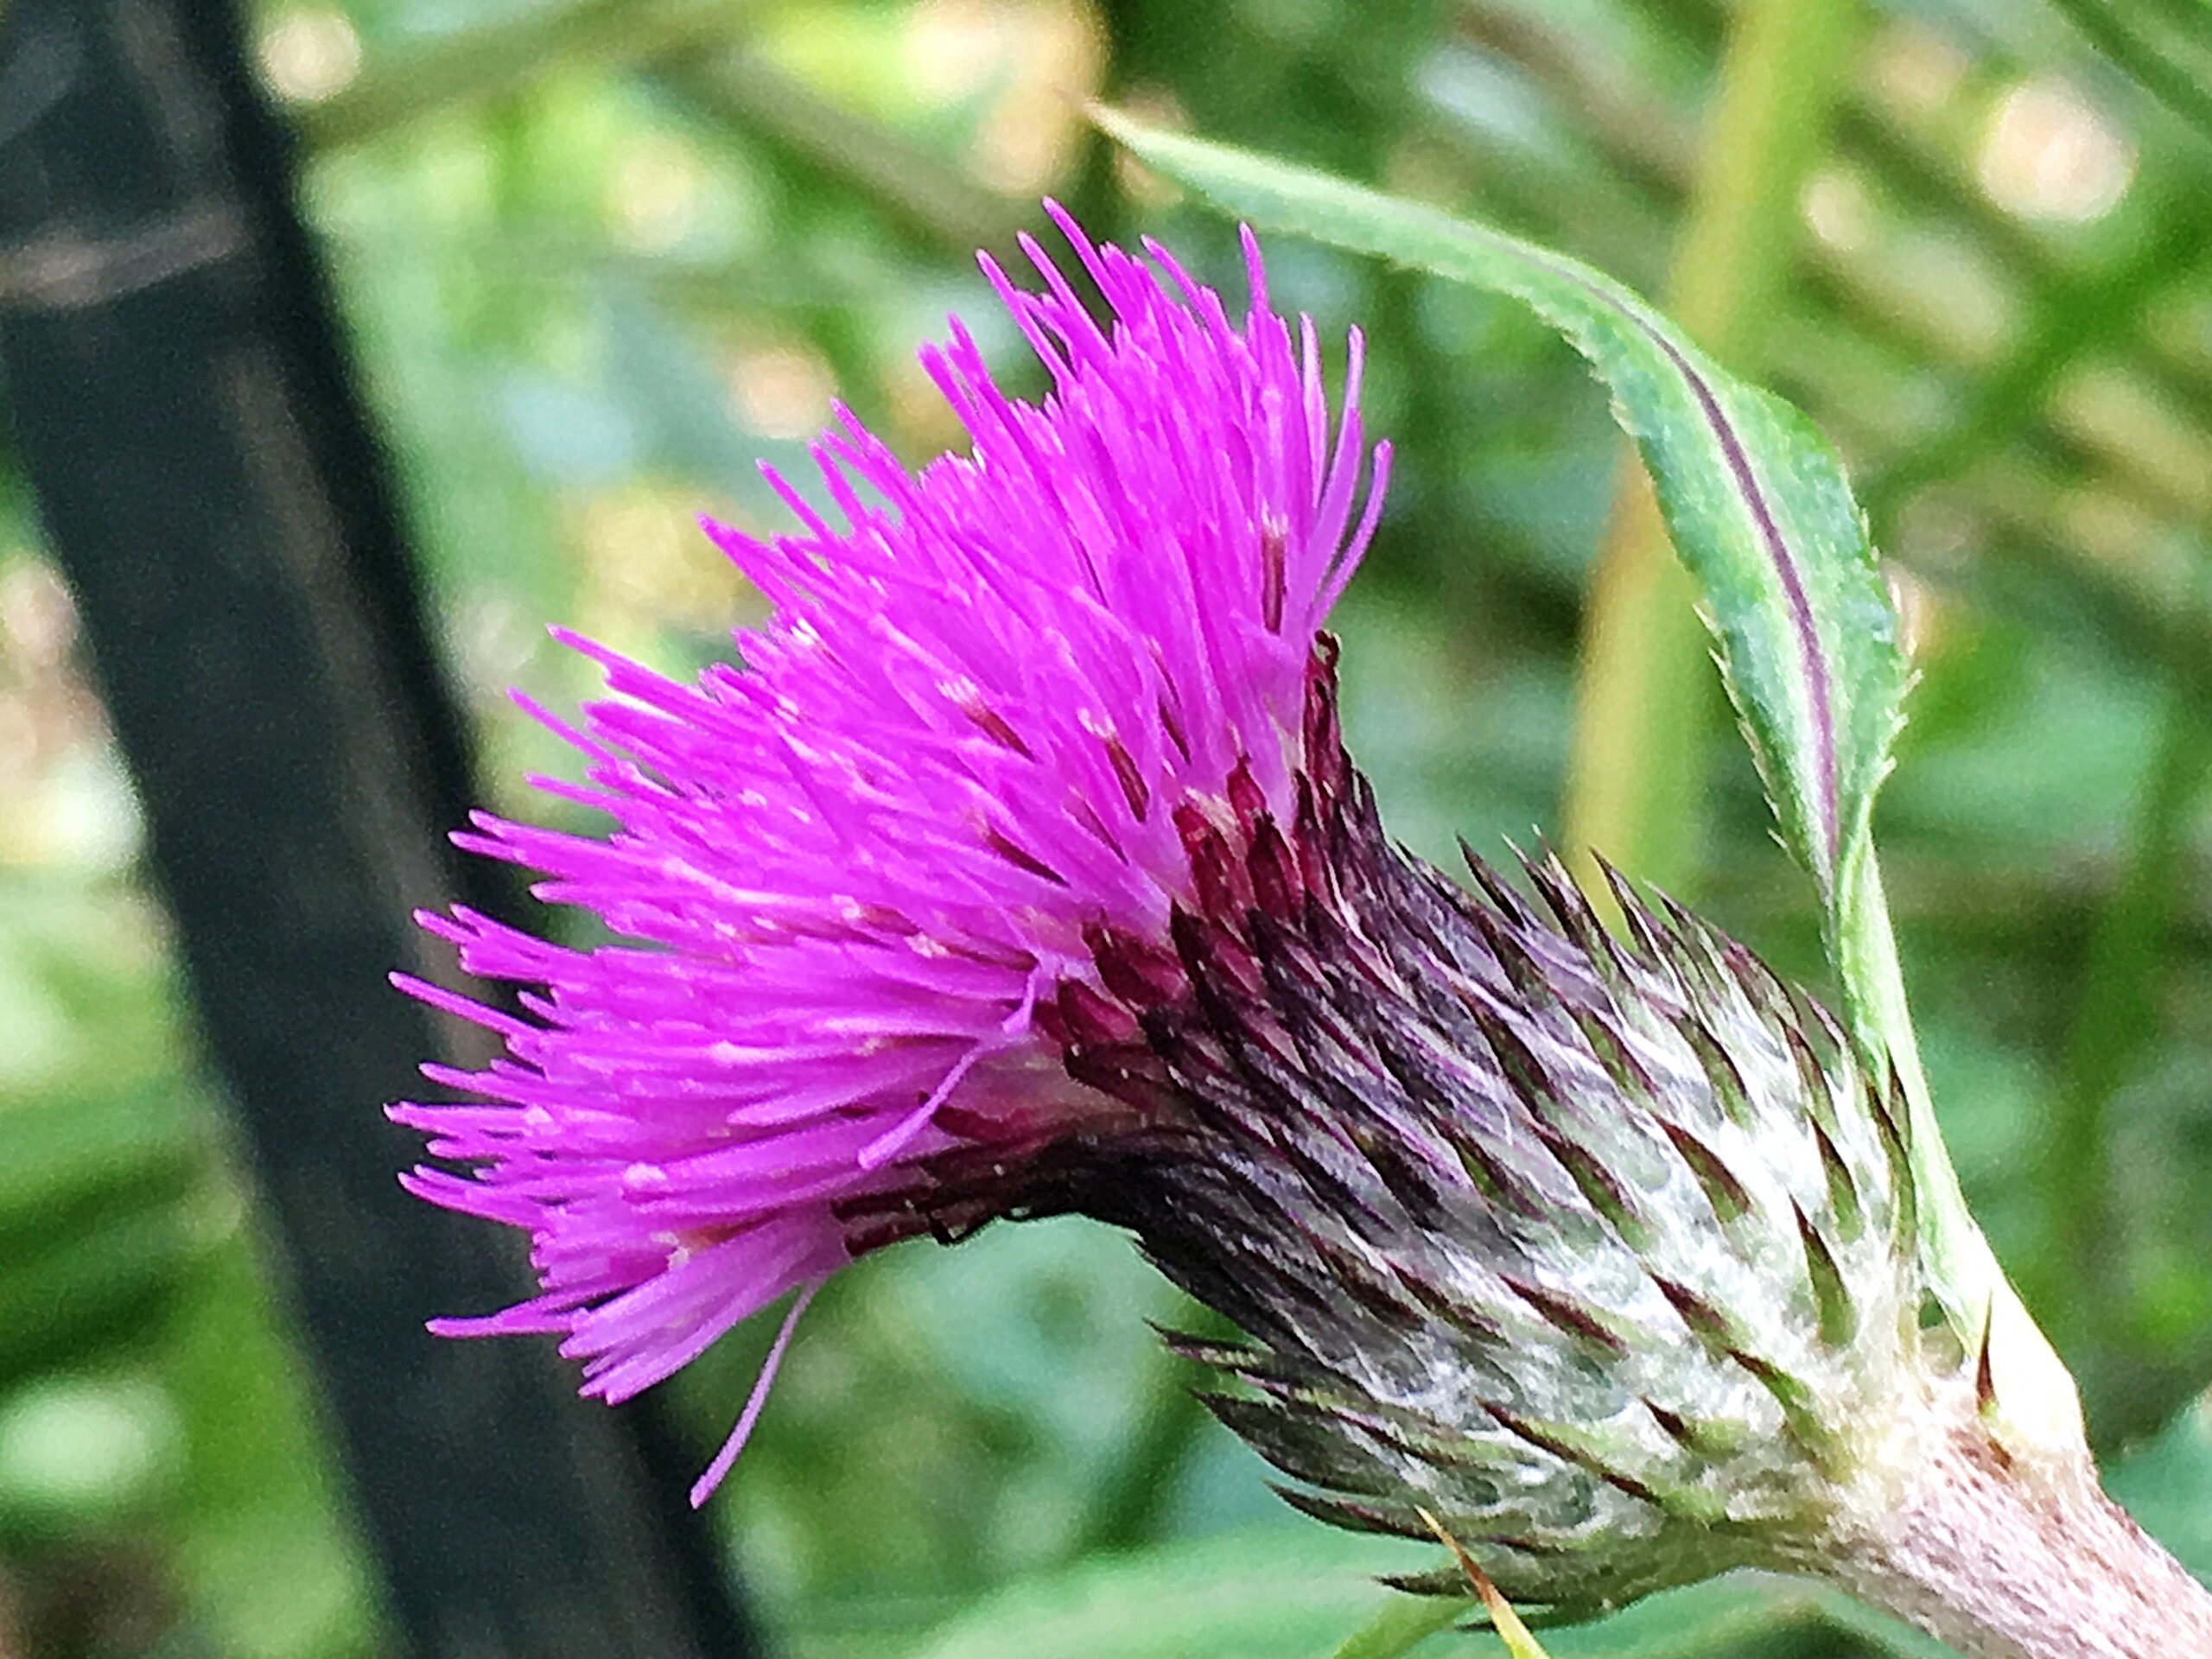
<point x="2007" y="1559"/>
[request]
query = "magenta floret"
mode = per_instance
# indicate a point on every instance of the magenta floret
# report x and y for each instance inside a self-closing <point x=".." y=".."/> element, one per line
<point x="850" y="873"/>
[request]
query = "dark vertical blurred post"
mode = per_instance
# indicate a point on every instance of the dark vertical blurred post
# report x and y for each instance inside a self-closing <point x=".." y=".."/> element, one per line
<point x="212" y="488"/>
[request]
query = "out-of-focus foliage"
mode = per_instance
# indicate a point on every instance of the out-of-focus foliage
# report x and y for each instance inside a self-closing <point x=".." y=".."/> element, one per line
<point x="598" y="254"/>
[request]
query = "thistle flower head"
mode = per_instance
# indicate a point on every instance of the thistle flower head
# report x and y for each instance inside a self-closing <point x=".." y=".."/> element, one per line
<point x="854" y="877"/>
<point x="1018" y="866"/>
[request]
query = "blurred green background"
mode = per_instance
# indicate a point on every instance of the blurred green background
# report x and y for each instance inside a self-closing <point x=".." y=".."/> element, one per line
<point x="596" y="258"/>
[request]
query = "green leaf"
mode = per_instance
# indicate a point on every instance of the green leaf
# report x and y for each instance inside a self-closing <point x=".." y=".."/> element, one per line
<point x="1520" y="1643"/>
<point x="1758" y="509"/>
<point x="1274" y="1592"/>
<point x="1399" y="1625"/>
<point x="1754" y="498"/>
<point x="1745" y="1616"/>
<point x="1283" y="1592"/>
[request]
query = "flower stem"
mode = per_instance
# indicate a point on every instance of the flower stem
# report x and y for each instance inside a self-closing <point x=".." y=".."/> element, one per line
<point x="2019" y="1560"/>
<point x="1635" y="766"/>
